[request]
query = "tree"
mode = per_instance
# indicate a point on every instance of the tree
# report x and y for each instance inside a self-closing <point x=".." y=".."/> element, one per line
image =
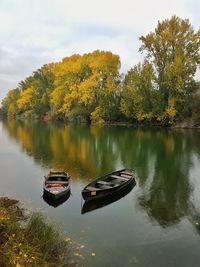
<point x="25" y="100"/>
<point x="43" y="86"/>
<point x="83" y="83"/>
<point x="9" y="103"/>
<point x="66" y="76"/>
<point x="173" y="50"/>
<point x="140" y="100"/>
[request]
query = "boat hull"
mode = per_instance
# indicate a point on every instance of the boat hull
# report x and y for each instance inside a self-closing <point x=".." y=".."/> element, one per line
<point x="58" y="201"/>
<point x="93" y="204"/>
<point x="56" y="196"/>
<point x="101" y="193"/>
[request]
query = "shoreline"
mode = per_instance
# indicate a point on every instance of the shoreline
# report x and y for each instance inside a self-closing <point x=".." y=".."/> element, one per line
<point x="186" y="124"/>
<point x="29" y="240"/>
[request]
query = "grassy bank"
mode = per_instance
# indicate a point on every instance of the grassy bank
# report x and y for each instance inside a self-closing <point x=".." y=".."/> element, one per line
<point x="35" y="244"/>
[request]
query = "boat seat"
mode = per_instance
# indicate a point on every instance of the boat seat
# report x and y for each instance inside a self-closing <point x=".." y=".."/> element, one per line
<point x="126" y="176"/>
<point x="55" y="185"/>
<point x="127" y="173"/>
<point x="56" y="182"/>
<point x="119" y="177"/>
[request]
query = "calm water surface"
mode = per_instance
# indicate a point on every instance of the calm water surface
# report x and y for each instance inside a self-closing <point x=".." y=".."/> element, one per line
<point x="156" y="224"/>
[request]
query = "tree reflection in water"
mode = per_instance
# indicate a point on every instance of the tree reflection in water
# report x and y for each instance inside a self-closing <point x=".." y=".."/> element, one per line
<point x="162" y="159"/>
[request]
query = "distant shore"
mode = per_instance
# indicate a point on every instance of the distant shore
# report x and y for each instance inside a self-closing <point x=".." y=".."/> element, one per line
<point x="189" y="123"/>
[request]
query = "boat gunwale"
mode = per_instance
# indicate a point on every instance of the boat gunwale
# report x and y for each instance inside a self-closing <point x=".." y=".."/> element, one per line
<point x="107" y="175"/>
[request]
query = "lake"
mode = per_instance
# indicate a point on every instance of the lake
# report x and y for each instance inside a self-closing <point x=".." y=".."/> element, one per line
<point x="157" y="223"/>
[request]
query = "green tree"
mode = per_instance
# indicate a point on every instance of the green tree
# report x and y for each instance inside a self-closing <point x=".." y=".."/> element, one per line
<point x="196" y="103"/>
<point x="140" y="100"/>
<point x="43" y="86"/>
<point x="173" y="50"/>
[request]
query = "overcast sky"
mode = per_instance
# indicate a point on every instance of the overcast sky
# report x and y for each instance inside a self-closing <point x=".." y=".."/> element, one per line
<point x="36" y="32"/>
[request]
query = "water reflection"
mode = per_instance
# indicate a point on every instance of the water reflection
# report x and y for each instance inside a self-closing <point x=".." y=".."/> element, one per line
<point x="166" y="195"/>
<point x="92" y="205"/>
<point x="161" y="158"/>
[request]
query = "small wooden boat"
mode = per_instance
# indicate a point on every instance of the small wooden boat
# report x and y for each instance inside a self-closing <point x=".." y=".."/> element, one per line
<point x="108" y="184"/>
<point x="56" y="184"/>
<point x="93" y="204"/>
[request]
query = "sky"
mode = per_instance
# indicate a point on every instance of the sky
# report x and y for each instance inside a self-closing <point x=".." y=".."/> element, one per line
<point x="37" y="32"/>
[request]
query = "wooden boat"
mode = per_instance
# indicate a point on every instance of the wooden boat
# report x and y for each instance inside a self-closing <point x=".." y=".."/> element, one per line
<point x="56" y="184"/>
<point x="93" y="204"/>
<point x="108" y="184"/>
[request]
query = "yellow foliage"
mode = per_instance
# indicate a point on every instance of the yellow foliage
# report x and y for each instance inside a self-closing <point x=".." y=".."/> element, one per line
<point x="171" y="111"/>
<point x="77" y="79"/>
<point x="75" y="82"/>
<point x="86" y="90"/>
<point x="57" y="96"/>
<point x="25" y="99"/>
<point x="104" y="61"/>
<point x="11" y="110"/>
<point x="96" y="115"/>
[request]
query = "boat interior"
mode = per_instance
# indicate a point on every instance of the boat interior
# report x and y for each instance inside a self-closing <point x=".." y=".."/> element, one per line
<point x="58" y="186"/>
<point x="56" y="182"/>
<point x="111" y="180"/>
<point x="57" y="178"/>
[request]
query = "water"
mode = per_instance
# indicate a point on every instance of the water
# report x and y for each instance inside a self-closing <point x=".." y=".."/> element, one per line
<point x="156" y="224"/>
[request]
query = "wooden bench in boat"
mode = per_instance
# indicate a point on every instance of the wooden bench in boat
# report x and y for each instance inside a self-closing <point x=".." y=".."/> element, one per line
<point x="56" y="182"/>
<point x="119" y="177"/>
<point x="56" y="185"/>
<point x="126" y="176"/>
<point x="127" y="173"/>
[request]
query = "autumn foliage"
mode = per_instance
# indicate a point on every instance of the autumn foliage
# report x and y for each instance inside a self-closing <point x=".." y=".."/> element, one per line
<point x="90" y="88"/>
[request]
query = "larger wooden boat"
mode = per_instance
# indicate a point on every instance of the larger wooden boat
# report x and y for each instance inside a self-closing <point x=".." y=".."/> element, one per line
<point x="56" y="184"/>
<point x="93" y="204"/>
<point x="108" y="184"/>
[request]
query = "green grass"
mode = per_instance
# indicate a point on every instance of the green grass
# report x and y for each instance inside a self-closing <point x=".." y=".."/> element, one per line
<point x="37" y="244"/>
<point x="41" y="234"/>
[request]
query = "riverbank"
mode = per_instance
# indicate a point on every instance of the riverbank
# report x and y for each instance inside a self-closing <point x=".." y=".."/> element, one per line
<point x="28" y="241"/>
<point x="188" y="124"/>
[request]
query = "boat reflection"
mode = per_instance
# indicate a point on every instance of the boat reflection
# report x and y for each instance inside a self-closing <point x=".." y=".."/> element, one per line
<point x="56" y="202"/>
<point x="91" y="205"/>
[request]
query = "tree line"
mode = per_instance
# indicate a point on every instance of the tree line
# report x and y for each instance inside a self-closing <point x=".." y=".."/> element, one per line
<point x="160" y="90"/>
